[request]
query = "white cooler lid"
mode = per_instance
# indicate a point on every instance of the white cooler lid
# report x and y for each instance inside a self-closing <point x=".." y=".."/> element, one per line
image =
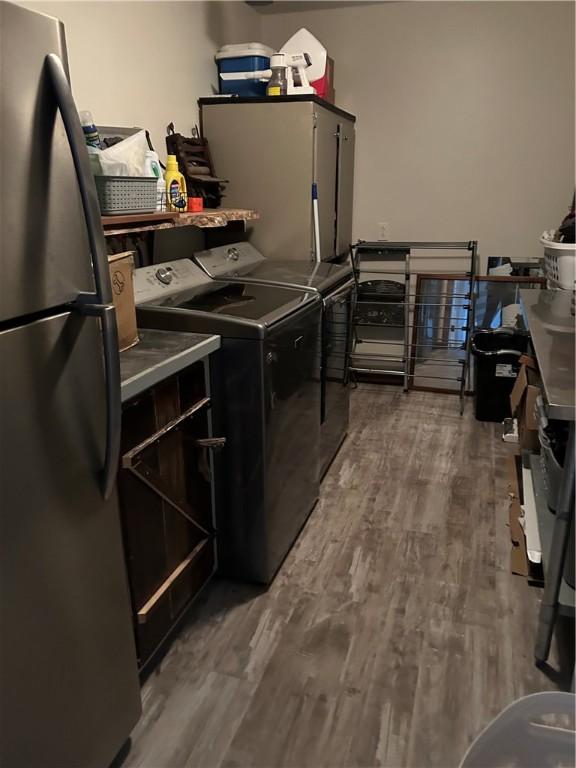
<point x="262" y="75"/>
<point x="243" y="49"/>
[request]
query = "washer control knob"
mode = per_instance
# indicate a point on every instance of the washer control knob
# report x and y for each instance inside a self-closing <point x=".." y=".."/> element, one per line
<point x="164" y="275"/>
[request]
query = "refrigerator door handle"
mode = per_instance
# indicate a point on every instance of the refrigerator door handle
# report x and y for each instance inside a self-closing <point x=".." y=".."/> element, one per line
<point x="86" y="184"/>
<point x="107" y="316"/>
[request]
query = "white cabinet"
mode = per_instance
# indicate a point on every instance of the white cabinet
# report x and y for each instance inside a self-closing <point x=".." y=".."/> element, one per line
<point x="272" y="151"/>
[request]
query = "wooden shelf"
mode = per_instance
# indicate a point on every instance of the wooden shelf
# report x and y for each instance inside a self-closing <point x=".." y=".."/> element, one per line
<point x="134" y="219"/>
<point x="151" y="222"/>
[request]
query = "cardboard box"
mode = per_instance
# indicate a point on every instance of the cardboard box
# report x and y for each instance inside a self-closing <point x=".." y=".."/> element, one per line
<point x="527" y="388"/>
<point x="121" y="267"/>
<point x="518" y="554"/>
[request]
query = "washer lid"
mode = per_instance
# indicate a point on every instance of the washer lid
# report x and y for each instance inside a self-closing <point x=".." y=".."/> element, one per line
<point x="302" y="274"/>
<point x="241" y="261"/>
<point x="262" y="304"/>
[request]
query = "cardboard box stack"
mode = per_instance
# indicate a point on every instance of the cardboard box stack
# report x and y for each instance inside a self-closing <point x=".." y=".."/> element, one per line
<point x="518" y="554"/>
<point x="527" y="389"/>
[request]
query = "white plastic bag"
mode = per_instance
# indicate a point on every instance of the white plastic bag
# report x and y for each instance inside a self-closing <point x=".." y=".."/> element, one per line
<point x="127" y="158"/>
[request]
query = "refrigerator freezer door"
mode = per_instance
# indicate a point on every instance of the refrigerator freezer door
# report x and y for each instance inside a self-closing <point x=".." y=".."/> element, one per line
<point x="70" y="693"/>
<point x="44" y="252"/>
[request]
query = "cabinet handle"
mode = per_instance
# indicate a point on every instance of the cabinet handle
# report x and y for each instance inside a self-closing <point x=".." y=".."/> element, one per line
<point x="214" y="443"/>
<point x="340" y="135"/>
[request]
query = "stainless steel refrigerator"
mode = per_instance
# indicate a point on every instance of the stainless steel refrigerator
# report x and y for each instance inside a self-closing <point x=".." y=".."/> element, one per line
<point x="272" y="151"/>
<point x="69" y="691"/>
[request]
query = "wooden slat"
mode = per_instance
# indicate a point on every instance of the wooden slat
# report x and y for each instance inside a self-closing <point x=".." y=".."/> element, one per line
<point x="128" y="458"/>
<point x="154" y="481"/>
<point x="165" y="586"/>
<point x="138" y="218"/>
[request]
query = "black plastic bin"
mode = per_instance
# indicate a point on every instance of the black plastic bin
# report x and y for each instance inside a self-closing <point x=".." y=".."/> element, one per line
<point x="497" y="353"/>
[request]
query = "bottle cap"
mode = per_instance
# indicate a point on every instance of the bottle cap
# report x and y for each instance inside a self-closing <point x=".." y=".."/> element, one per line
<point x="278" y="60"/>
<point x="86" y="117"/>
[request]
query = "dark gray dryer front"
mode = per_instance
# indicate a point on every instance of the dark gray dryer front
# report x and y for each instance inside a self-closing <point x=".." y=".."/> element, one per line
<point x="266" y="382"/>
<point x="335" y="284"/>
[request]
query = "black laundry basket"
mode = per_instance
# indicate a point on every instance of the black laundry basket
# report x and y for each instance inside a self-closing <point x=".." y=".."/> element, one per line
<point x="497" y="353"/>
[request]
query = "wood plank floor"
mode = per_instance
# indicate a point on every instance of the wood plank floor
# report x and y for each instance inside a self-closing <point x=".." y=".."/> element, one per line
<point x="394" y="631"/>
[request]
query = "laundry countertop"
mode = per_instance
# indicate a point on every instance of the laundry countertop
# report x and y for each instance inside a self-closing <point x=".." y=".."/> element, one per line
<point x="160" y="354"/>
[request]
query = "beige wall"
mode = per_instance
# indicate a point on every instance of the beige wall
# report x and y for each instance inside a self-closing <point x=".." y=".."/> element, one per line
<point x="465" y="109"/>
<point x="465" y="115"/>
<point x="146" y="63"/>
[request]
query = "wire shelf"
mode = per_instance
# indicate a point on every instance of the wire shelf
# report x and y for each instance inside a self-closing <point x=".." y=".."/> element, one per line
<point x="372" y="313"/>
<point x="378" y="303"/>
<point x="410" y="325"/>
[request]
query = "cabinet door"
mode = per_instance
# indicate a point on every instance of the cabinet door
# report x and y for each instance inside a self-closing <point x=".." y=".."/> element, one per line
<point x="345" y="192"/>
<point x="325" y="175"/>
<point x="165" y="488"/>
<point x="265" y="150"/>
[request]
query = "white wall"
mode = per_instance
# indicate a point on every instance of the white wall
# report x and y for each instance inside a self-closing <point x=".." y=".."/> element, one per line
<point x="465" y="115"/>
<point x="146" y="63"/>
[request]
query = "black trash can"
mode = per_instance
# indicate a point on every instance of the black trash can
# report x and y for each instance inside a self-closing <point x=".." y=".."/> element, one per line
<point x="496" y="367"/>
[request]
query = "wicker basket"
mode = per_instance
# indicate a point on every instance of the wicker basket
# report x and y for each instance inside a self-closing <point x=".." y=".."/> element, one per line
<point x="126" y="194"/>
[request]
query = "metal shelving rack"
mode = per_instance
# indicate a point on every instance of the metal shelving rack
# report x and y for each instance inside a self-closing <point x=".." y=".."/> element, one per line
<point x="400" y="361"/>
<point x="551" y="327"/>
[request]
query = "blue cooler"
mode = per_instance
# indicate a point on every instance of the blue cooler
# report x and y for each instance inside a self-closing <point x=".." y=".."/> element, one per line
<point x="243" y="69"/>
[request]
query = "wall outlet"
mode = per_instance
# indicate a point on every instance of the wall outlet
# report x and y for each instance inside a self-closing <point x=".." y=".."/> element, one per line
<point x="383" y="230"/>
